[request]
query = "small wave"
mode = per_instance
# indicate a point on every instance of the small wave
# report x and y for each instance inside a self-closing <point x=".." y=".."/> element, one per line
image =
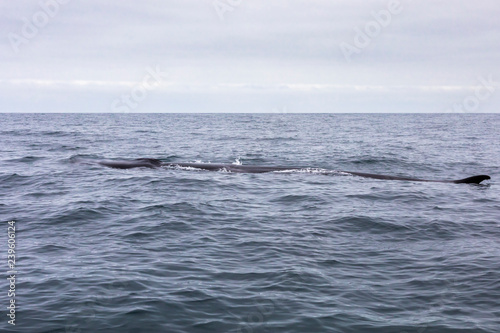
<point x="293" y="198"/>
<point x="66" y="148"/>
<point x="57" y="133"/>
<point x="80" y="214"/>
<point x="27" y="159"/>
<point x="51" y="248"/>
<point x="13" y="132"/>
<point x="368" y="224"/>
<point x="15" y="179"/>
<point x="79" y="157"/>
<point x="178" y="167"/>
<point x="280" y="138"/>
<point x="169" y="158"/>
<point x="371" y="161"/>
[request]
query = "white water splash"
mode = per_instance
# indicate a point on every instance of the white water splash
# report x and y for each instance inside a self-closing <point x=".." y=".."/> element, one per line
<point x="311" y="170"/>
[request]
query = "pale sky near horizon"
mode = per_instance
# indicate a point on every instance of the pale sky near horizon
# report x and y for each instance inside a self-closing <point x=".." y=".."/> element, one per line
<point x="250" y="56"/>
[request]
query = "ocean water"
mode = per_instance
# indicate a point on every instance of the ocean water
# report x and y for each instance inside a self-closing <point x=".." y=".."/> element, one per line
<point x="166" y="250"/>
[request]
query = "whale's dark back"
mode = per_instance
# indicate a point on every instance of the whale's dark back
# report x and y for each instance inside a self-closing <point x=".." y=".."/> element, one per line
<point x="472" y="180"/>
<point x="155" y="163"/>
<point x="129" y="164"/>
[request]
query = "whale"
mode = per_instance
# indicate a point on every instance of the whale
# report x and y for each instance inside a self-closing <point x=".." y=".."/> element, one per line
<point x="153" y="163"/>
<point x="129" y="164"/>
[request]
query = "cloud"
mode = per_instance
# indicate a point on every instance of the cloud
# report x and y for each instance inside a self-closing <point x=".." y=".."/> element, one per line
<point x="278" y="52"/>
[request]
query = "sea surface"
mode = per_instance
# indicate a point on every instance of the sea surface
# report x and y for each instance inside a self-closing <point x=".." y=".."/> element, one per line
<point x="172" y="250"/>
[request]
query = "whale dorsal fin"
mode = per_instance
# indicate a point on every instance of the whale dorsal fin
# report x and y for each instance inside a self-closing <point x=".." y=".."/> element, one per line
<point x="472" y="180"/>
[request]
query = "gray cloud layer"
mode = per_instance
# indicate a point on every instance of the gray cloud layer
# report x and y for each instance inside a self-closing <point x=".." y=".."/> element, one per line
<point x="250" y="55"/>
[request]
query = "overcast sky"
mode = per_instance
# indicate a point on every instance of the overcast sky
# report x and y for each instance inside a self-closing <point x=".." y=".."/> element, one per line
<point x="250" y="56"/>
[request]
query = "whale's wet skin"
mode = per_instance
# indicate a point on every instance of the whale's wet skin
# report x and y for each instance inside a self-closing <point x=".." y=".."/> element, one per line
<point x="238" y="168"/>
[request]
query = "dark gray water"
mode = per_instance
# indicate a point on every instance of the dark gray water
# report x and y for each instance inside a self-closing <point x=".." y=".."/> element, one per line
<point x="164" y="250"/>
